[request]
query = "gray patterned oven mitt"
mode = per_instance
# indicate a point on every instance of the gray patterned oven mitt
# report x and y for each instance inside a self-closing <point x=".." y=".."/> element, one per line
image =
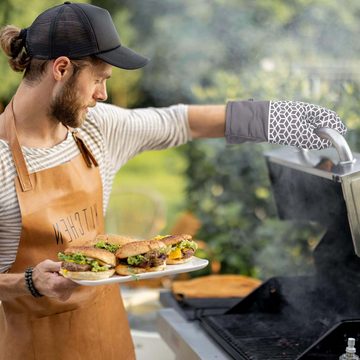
<point x="279" y="122"/>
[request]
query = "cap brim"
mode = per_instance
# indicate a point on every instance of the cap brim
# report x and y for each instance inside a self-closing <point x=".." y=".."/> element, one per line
<point x="124" y="58"/>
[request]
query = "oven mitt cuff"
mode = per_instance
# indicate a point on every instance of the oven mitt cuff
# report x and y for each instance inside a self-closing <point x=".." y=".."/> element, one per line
<point x="279" y="122"/>
<point x="246" y="121"/>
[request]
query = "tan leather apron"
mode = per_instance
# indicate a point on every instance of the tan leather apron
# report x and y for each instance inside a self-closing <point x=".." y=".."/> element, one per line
<point x="61" y="206"/>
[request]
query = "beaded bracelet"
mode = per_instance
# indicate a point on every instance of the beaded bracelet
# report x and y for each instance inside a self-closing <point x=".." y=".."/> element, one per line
<point x="29" y="283"/>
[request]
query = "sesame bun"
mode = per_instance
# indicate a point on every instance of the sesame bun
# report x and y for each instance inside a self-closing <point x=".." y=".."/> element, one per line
<point x="87" y="275"/>
<point x="104" y="256"/>
<point x="138" y="247"/>
<point x="111" y="239"/>
<point x="122" y="269"/>
<point x="174" y="239"/>
<point x="177" y="261"/>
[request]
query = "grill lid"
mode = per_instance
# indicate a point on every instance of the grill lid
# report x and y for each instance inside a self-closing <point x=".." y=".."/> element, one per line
<point x="346" y="170"/>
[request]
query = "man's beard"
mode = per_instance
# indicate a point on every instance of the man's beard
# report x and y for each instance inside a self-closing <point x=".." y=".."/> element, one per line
<point x="66" y="107"/>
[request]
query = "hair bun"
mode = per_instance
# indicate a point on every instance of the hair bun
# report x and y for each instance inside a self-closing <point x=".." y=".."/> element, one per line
<point x="13" y="40"/>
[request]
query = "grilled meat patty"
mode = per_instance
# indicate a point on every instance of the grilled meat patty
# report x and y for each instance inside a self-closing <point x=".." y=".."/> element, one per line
<point x="151" y="259"/>
<point x="188" y="253"/>
<point x="75" y="267"/>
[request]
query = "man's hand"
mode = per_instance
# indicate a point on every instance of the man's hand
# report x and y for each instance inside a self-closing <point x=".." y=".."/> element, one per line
<point x="280" y="122"/>
<point x="293" y="123"/>
<point x="49" y="282"/>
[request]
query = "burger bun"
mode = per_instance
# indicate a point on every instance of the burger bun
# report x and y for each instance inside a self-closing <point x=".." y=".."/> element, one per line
<point x="122" y="269"/>
<point x="106" y="257"/>
<point x="87" y="275"/>
<point x="175" y="239"/>
<point x="138" y="247"/>
<point x="111" y="239"/>
<point x="177" y="261"/>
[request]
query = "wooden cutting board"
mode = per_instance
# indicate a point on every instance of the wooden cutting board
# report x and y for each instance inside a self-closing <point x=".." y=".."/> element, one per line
<point x="215" y="286"/>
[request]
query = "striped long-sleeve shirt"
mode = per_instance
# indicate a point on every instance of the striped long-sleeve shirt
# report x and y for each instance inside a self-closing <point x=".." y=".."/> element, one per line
<point x="114" y="136"/>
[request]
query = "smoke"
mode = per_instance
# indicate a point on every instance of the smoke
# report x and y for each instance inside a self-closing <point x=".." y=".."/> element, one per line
<point x="288" y="248"/>
<point x="316" y="208"/>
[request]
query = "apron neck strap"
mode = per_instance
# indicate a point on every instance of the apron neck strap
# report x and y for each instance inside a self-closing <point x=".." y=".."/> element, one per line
<point x="85" y="151"/>
<point x="17" y="154"/>
<point x="15" y="148"/>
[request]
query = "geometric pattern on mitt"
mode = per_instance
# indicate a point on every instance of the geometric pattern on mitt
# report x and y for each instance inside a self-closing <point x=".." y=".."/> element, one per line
<point x="293" y="123"/>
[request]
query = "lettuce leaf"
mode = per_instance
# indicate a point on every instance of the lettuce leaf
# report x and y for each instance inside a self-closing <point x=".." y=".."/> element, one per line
<point x="187" y="244"/>
<point x="136" y="259"/>
<point x="109" y="247"/>
<point x="81" y="259"/>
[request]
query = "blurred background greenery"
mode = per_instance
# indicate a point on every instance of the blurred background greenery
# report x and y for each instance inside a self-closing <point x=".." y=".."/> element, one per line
<point x="207" y="52"/>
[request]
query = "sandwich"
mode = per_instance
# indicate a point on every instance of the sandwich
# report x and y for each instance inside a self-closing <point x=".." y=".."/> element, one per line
<point x="110" y="242"/>
<point x="87" y="263"/>
<point x="141" y="256"/>
<point x="181" y="248"/>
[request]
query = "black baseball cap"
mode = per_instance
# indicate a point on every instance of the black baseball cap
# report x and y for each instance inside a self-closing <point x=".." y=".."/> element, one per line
<point x="78" y="30"/>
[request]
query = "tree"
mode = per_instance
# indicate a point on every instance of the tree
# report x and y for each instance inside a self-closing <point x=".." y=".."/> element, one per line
<point x="20" y="13"/>
<point x="212" y="51"/>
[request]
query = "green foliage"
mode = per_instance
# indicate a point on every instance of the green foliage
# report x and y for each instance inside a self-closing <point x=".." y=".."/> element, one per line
<point x="123" y="85"/>
<point x="20" y="13"/>
<point x="230" y="192"/>
<point x="159" y="174"/>
<point x="209" y="51"/>
<point x="212" y="51"/>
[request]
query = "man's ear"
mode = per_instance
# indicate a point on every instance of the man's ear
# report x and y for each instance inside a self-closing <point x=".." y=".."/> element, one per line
<point x="62" y="68"/>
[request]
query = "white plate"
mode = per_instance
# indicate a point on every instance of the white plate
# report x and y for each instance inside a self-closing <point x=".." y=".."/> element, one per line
<point x="194" y="264"/>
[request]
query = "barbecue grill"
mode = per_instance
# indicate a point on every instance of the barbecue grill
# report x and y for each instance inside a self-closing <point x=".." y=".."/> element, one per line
<point x="312" y="316"/>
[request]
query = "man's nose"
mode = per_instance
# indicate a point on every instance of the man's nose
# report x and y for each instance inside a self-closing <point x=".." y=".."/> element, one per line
<point x="101" y="93"/>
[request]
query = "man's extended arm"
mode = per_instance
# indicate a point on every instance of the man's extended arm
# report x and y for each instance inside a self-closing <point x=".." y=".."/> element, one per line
<point x="278" y="122"/>
<point x="207" y="121"/>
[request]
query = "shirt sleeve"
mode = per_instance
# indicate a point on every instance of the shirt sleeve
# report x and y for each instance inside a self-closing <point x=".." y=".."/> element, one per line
<point x="128" y="132"/>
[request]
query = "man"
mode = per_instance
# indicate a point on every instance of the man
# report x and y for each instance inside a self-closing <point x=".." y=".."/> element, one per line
<point x="59" y="153"/>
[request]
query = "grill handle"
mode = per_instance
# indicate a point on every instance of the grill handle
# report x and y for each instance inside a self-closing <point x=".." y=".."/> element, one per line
<point x="339" y="142"/>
